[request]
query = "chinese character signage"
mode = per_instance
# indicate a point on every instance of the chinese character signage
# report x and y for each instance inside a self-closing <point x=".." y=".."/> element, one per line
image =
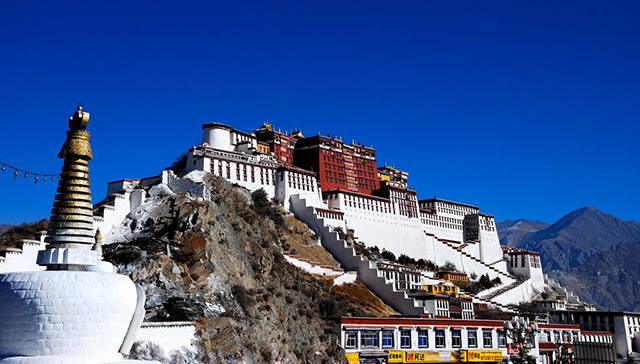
<point x="353" y="358"/>
<point x="484" y="355"/>
<point x="395" y="357"/>
<point x="434" y="356"/>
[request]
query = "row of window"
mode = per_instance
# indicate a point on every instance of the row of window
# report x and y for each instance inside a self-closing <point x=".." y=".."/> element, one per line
<point x="389" y="339"/>
<point x="267" y="176"/>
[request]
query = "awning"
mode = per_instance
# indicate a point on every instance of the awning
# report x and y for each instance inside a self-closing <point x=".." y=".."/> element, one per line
<point x="548" y="346"/>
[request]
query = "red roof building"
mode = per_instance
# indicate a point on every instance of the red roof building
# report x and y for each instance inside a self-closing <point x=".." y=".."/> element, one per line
<point x="349" y="167"/>
<point x="279" y="143"/>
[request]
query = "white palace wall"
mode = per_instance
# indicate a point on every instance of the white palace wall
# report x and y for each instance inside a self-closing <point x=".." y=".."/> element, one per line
<point x="375" y="221"/>
<point x="256" y="172"/>
<point x="490" y="250"/>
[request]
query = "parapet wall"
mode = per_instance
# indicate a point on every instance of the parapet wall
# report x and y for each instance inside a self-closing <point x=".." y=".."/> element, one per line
<point x="172" y="337"/>
<point x="23" y="259"/>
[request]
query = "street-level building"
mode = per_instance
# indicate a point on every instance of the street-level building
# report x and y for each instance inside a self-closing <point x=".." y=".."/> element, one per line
<point x="422" y="340"/>
<point x="556" y="343"/>
<point x="623" y="326"/>
<point x="594" y="347"/>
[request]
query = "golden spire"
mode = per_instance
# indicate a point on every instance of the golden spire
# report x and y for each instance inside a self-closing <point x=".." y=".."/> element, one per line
<point x="71" y="223"/>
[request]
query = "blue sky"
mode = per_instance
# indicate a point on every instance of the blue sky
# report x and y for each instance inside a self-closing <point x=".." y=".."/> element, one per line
<point x="529" y="109"/>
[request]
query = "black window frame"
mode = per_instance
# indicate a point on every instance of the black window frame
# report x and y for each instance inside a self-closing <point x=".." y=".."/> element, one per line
<point x="402" y="338"/>
<point x="453" y="342"/>
<point x="442" y="336"/>
<point x="346" y="339"/>
<point x="475" y="337"/>
<point x="382" y="337"/>
<point x="484" y="336"/>
<point x="426" y="336"/>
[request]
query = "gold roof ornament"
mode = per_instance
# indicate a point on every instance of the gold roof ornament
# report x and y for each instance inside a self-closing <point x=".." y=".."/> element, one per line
<point x="77" y="143"/>
<point x="265" y="126"/>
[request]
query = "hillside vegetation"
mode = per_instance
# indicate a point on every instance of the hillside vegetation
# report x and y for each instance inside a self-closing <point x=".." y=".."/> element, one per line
<point x="220" y="263"/>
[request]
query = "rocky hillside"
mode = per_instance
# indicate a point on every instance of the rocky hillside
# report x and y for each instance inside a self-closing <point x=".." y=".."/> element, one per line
<point x="512" y="232"/>
<point x="608" y="279"/>
<point x="220" y="263"/>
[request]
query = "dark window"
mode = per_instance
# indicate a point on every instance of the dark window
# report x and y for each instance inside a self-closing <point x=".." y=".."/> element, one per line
<point x="369" y="339"/>
<point x="487" y="338"/>
<point x="472" y="338"/>
<point x="387" y="339"/>
<point x="423" y="339"/>
<point x="456" y="339"/>
<point x="405" y="338"/>
<point x="350" y="340"/>
<point x="439" y="338"/>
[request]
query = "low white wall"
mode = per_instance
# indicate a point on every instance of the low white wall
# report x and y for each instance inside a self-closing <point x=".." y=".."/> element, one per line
<point x="170" y="336"/>
<point x="23" y="261"/>
<point x="312" y="268"/>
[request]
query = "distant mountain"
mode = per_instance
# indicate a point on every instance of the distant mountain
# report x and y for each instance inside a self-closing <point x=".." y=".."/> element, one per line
<point x="592" y="253"/>
<point x="512" y="232"/>
<point x="571" y="240"/>
<point x="608" y="279"/>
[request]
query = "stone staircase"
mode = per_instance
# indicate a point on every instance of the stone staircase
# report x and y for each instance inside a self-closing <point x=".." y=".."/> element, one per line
<point x="489" y="302"/>
<point x="504" y="289"/>
<point x="497" y="261"/>
<point x="503" y="275"/>
<point x="368" y="272"/>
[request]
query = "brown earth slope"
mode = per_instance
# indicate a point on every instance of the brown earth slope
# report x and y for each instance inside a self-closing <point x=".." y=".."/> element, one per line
<point x="225" y="270"/>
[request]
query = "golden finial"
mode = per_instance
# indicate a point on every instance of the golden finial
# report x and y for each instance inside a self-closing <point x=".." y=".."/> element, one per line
<point x="79" y="120"/>
<point x="77" y="143"/>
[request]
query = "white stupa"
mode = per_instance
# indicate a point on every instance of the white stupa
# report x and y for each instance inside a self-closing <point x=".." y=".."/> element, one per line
<point x="78" y="310"/>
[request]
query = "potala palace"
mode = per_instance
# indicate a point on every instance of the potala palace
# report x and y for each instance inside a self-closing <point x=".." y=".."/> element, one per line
<point x="58" y="293"/>
<point x="335" y="186"/>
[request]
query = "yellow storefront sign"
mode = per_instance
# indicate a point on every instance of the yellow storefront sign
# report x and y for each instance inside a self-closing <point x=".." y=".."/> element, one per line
<point x="353" y="358"/>
<point x="395" y="357"/>
<point x="484" y="355"/>
<point x="434" y="357"/>
<point x="422" y="357"/>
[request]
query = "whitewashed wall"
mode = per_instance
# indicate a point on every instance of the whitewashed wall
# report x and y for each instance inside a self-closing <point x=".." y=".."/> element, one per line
<point x="23" y="261"/>
<point x="170" y="336"/>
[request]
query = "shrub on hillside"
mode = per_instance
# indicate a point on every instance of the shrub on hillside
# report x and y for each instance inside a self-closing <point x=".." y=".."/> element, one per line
<point x="262" y="205"/>
<point x="388" y="255"/>
<point x="11" y="238"/>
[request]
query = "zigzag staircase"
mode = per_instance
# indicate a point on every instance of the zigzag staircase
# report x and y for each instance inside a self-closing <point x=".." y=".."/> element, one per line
<point x="498" y="272"/>
<point x="368" y="272"/>
<point x="504" y="289"/>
